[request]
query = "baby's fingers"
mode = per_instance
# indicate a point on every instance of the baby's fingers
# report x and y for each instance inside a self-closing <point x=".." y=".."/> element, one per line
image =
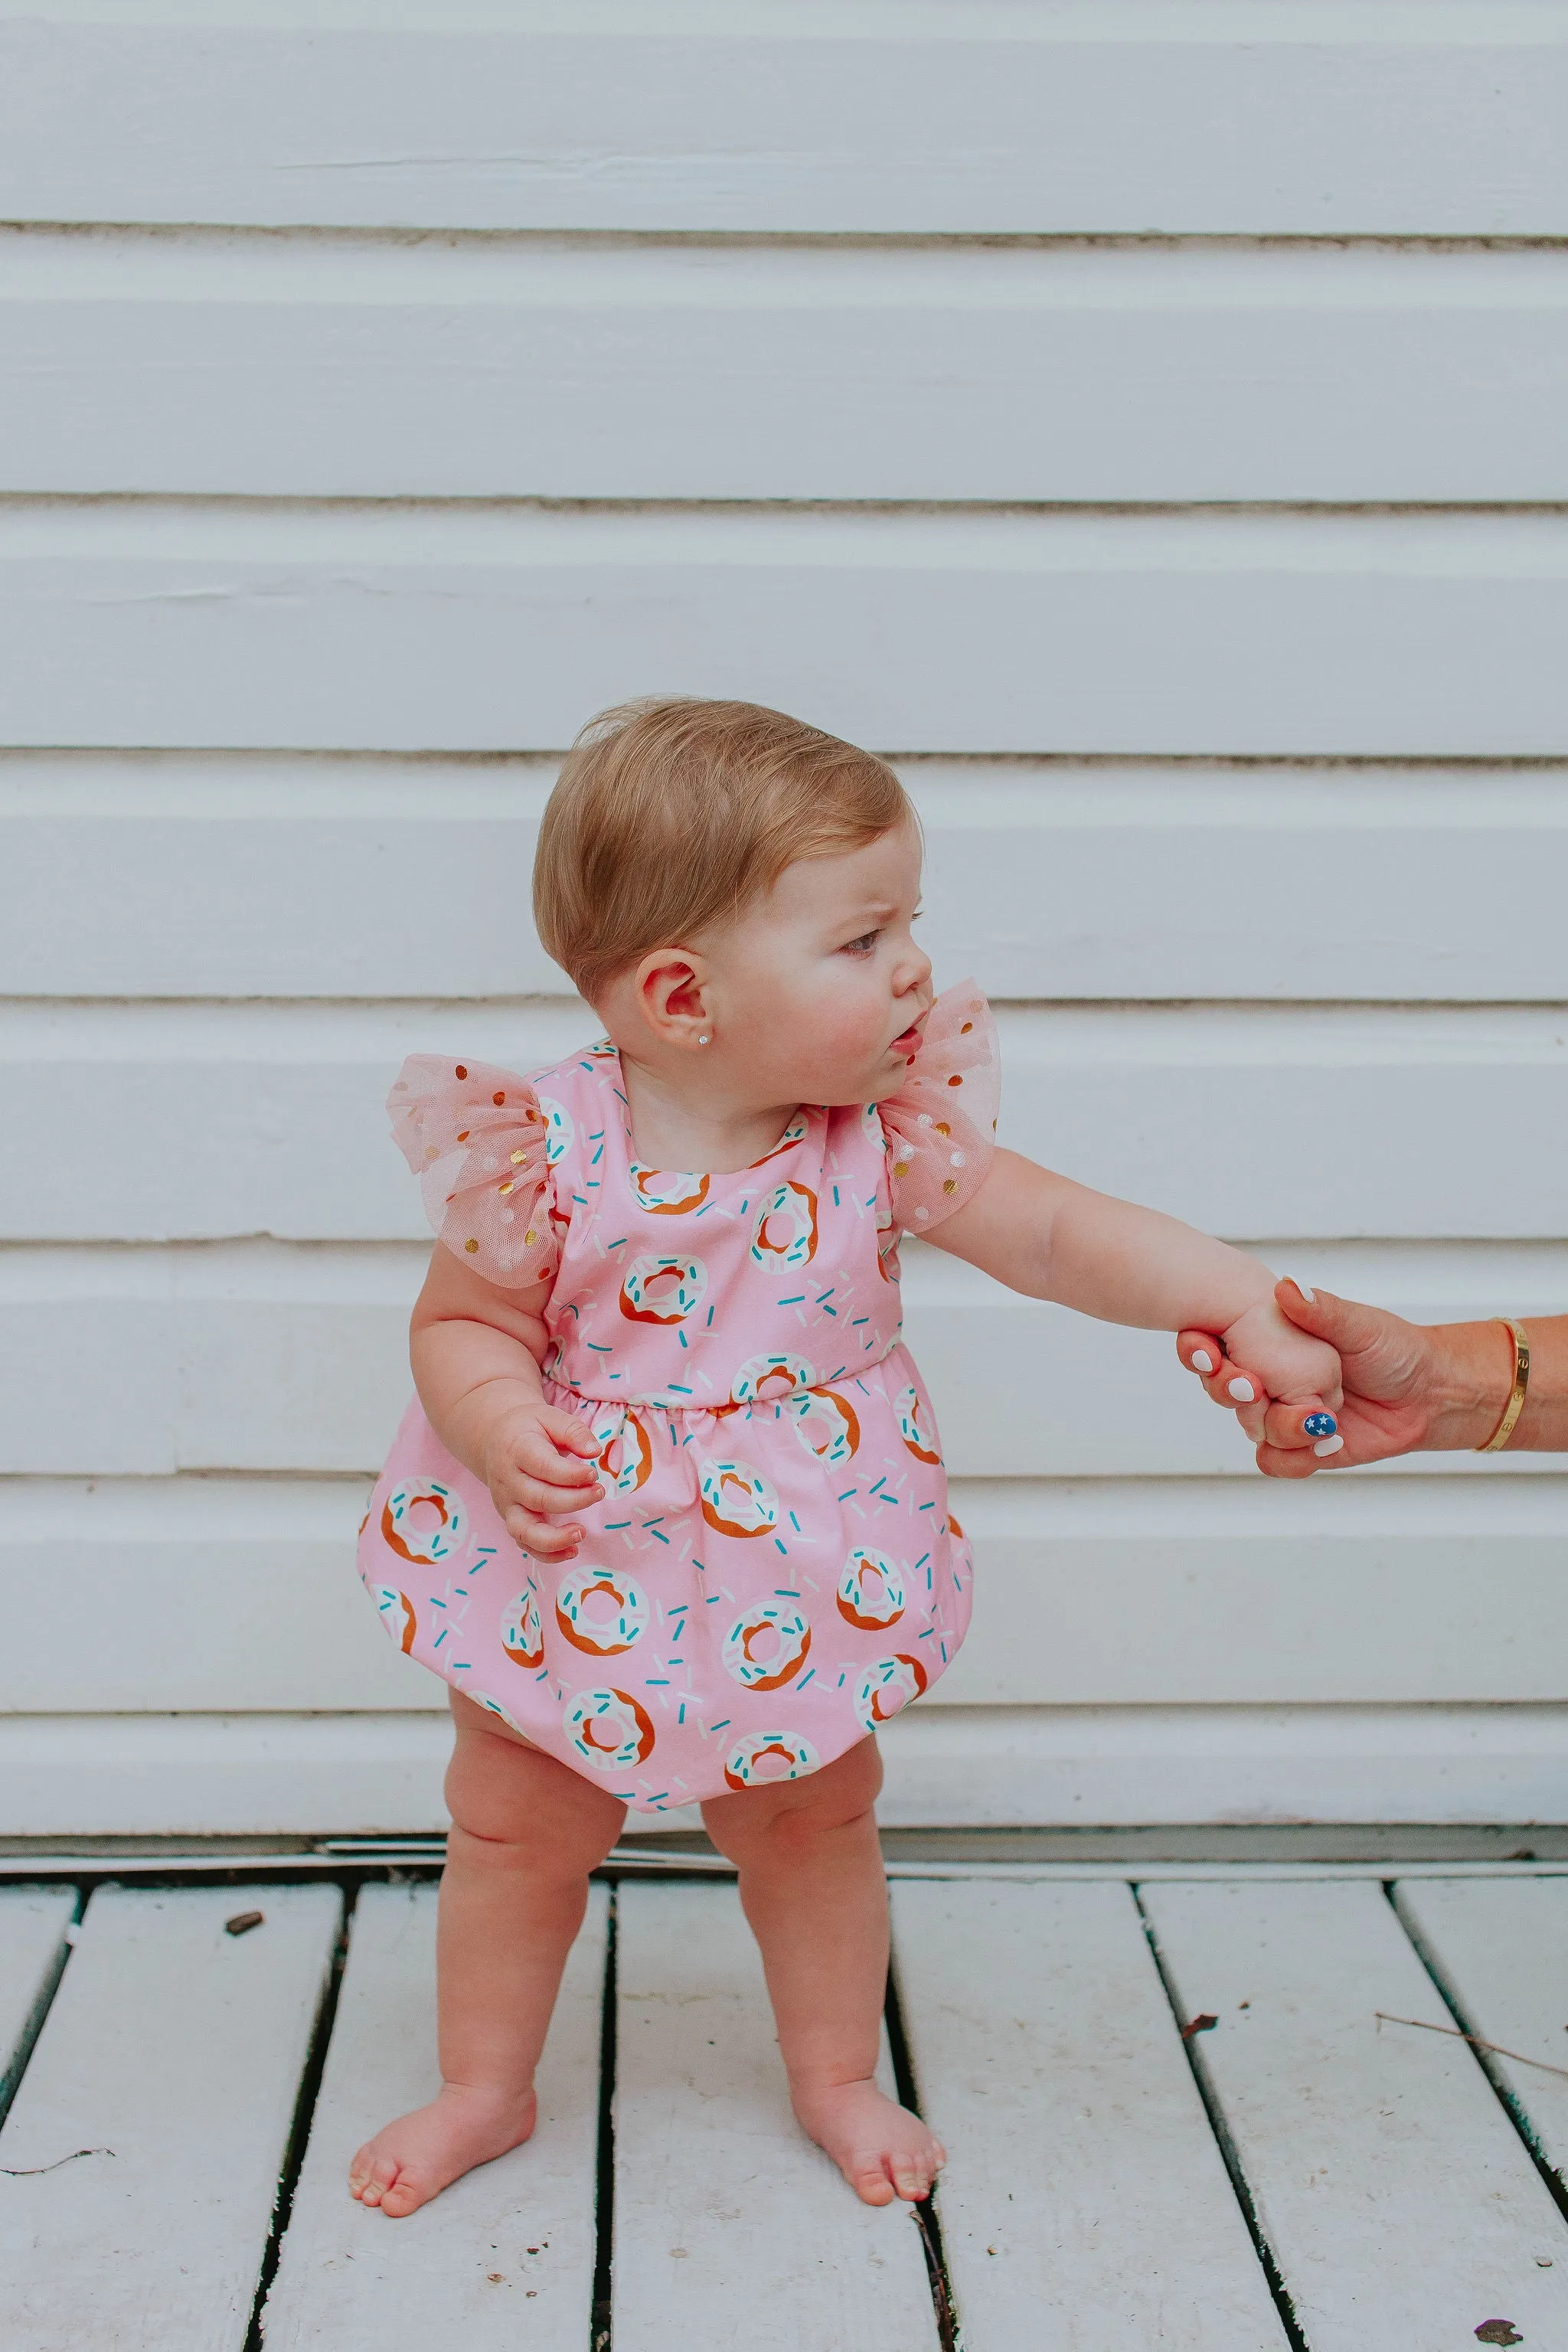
<point x="544" y="1539"/>
<point x="1307" y="1425"/>
<point x="568" y="1436"/>
<point x="537" y="1455"/>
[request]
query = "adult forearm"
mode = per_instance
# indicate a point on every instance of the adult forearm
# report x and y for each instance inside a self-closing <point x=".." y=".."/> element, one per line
<point x="1472" y="1377"/>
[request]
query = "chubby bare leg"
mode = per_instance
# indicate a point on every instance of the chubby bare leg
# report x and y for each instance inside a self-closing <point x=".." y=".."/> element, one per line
<point x="526" y="1832"/>
<point x="814" y="1891"/>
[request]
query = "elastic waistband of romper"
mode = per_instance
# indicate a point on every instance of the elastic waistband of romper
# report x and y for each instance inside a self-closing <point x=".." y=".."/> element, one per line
<point x="724" y="1406"/>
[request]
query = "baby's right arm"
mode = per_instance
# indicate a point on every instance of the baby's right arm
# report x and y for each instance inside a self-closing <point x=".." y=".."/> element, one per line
<point x="477" y="1350"/>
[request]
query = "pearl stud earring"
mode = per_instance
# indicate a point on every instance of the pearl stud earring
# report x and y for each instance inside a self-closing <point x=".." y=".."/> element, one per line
<point x="703" y="1039"/>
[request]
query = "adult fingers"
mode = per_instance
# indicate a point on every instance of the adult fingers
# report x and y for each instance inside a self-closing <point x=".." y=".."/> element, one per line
<point x="1224" y="1383"/>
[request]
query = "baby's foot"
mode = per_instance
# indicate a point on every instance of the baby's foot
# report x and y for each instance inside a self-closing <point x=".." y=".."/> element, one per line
<point x="415" y="2157"/>
<point x="881" y="2149"/>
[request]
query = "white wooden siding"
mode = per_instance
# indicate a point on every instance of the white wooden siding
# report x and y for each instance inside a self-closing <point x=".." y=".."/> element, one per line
<point x="1130" y="418"/>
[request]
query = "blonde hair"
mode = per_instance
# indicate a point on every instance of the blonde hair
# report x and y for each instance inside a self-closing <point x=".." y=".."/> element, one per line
<point x="672" y="815"/>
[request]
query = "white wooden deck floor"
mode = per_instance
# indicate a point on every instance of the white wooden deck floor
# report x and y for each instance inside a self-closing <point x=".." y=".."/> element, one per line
<point x="1299" y="2173"/>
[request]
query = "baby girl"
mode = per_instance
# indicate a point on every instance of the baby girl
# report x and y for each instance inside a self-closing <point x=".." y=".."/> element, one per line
<point x="669" y="1515"/>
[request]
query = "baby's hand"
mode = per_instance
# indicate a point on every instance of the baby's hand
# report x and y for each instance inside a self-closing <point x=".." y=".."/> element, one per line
<point x="1293" y="1367"/>
<point x="539" y="1464"/>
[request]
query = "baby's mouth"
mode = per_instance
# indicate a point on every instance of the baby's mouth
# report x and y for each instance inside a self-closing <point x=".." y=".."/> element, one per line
<point x="908" y="1044"/>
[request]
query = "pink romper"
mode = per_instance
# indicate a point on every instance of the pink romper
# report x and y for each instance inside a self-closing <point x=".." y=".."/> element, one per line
<point x="773" y="1571"/>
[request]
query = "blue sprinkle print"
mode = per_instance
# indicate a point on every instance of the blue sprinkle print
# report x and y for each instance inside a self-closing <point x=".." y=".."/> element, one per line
<point x="676" y="1608"/>
<point x="928" y="1506"/>
<point x="795" y="1523"/>
<point x="682" y="1715"/>
<point x="436" y="1604"/>
<point x="657" y="1682"/>
<point x="832" y="1311"/>
<point x="681" y="1337"/>
<point x="871" y="1490"/>
<point x="728" y="1719"/>
<point x="841" y="1681"/>
<point x="710" y="1318"/>
<point x="808" y="1675"/>
<point x="679" y="1391"/>
<point x="659" y="1536"/>
<point x="487" y="1551"/>
<point x="858" y="1320"/>
<point x="598" y="1347"/>
<point x="713" y="1599"/>
<point x="657" y="1520"/>
<point x="461" y="1590"/>
<point x="785" y="1592"/>
<point x="848" y="1491"/>
<point x="798" y="1300"/>
<point x="929" y="1633"/>
<point x="614" y="1527"/>
<point x="620" y="1245"/>
<point x="837" y="1203"/>
<point x="658" y="1800"/>
<point x="920" y="1562"/>
<point x="779" y="1544"/>
<point x="462" y="1665"/>
<point x="440" y="1637"/>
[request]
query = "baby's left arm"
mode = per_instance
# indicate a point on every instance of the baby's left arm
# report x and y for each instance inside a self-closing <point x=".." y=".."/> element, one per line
<point x="1051" y="1238"/>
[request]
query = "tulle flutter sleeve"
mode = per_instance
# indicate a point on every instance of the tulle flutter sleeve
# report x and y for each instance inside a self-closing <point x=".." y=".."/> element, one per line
<point x="475" y="1138"/>
<point x="940" y="1126"/>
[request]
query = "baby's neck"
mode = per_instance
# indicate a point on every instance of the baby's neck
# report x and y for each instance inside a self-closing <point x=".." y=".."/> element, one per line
<point x="698" y="1123"/>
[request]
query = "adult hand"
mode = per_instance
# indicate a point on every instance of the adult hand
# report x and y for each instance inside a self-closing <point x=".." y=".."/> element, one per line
<point x="1392" y="1372"/>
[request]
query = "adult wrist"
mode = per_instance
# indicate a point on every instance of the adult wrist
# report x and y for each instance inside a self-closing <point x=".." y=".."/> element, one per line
<point x="1471" y="1382"/>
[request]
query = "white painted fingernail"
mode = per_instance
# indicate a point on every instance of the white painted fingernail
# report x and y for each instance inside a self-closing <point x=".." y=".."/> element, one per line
<point x="1202" y="1363"/>
<point x="1308" y="1293"/>
<point x="1242" y="1391"/>
<point x="1328" y="1445"/>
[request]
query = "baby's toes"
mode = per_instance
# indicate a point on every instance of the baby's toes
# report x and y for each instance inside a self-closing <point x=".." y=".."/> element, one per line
<point x="406" y="2193"/>
<point x="371" y="2176"/>
<point x="868" y="2178"/>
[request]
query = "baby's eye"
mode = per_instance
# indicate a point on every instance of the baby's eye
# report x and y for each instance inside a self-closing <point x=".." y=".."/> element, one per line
<point x="863" y="945"/>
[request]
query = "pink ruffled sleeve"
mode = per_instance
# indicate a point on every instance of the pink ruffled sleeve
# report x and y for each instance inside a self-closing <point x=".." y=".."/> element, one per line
<point x="475" y="1138"/>
<point x="940" y="1126"/>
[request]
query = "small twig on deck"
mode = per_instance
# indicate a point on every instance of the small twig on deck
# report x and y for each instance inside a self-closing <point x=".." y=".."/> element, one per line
<point x="31" y="2171"/>
<point x="1475" y="2042"/>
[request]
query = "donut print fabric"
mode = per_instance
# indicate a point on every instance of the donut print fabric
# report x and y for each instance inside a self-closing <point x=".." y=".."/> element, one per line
<point x="773" y="1571"/>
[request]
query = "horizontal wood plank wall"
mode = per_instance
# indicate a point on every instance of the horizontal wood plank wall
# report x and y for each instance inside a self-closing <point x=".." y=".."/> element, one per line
<point x="1146" y="425"/>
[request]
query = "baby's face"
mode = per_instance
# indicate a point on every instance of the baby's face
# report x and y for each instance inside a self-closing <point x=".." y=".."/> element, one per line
<point x="816" y="993"/>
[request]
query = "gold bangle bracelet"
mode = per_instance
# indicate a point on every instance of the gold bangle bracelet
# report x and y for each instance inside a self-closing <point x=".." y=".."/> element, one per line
<point x="1515" y="1404"/>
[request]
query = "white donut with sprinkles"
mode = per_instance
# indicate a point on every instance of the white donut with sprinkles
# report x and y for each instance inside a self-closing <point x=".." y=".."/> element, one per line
<point x="625" y="1448"/>
<point x="794" y="1133"/>
<point x="662" y="1289"/>
<point x="560" y="1133"/>
<point x="921" y="1440"/>
<point x="768" y="1756"/>
<point x="766" y="1648"/>
<point x="767" y="1379"/>
<point x="785" y="1231"/>
<point x="736" y="1499"/>
<point x="396" y="1615"/>
<point x="523" y="1629"/>
<point x="610" y="1729"/>
<point x="887" y="1687"/>
<point x="870" y="1591"/>
<point x="664" y="1194"/>
<point x="600" y="1610"/>
<point x="423" y="1521"/>
<point x="826" y="1425"/>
